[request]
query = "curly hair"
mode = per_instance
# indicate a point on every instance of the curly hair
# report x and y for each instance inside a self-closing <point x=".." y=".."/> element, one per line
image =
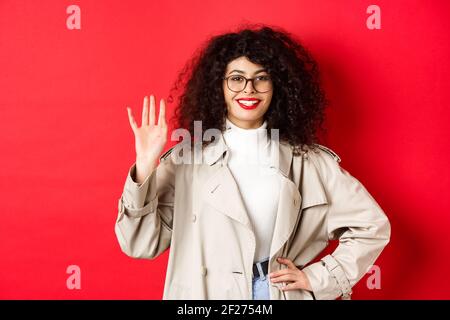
<point x="298" y="103"/>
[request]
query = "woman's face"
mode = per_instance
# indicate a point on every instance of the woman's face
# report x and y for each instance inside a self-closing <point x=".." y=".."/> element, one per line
<point x="242" y="113"/>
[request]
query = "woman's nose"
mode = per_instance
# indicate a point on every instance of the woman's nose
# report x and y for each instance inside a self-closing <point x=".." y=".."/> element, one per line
<point x="252" y="89"/>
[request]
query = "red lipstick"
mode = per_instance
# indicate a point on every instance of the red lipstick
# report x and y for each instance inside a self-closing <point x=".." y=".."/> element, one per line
<point x="250" y="106"/>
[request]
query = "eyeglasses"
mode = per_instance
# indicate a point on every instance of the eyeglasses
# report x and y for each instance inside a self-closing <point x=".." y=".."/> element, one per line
<point x="237" y="83"/>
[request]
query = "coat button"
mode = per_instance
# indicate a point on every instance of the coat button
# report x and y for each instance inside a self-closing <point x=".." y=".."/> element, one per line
<point x="194" y="217"/>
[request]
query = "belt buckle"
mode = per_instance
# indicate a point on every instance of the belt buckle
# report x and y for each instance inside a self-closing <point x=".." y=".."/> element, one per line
<point x="255" y="269"/>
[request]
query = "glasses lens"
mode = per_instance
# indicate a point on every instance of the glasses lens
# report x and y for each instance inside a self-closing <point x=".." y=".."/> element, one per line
<point x="236" y="83"/>
<point x="261" y="84"/>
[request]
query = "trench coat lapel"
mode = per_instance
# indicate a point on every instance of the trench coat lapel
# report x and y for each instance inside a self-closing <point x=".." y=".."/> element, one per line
<point x="223" y="194"/>
<point x="301" y="188"/>
<point x="289" y="201"/>
<point x="221" y="189"/>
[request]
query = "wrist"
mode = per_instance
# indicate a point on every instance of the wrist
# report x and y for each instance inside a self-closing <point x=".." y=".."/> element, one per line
<point x="306" y="282"/>
<point x="145" y="161"/>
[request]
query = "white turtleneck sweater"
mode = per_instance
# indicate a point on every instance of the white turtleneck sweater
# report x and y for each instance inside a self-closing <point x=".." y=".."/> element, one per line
<point x="250" y="163"/>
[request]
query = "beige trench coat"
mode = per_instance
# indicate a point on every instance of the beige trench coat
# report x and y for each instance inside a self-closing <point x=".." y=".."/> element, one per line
<point x="197" y="211"/>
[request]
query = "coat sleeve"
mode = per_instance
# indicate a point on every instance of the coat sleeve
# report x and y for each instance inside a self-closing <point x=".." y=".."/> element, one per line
<point x="144" y="224"/>
<point x="360" y="225"/>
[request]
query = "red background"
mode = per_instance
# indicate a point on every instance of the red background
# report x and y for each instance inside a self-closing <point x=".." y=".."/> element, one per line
<point x="66" y="143"/>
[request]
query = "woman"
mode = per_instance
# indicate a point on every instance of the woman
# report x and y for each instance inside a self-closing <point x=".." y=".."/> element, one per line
<point x="240" y="229"/>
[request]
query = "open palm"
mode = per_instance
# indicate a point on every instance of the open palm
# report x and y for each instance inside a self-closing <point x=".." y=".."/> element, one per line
<point x="150" y="138"/>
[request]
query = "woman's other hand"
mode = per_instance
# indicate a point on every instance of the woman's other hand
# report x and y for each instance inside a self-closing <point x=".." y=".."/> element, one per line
<point x="295" y="277"/>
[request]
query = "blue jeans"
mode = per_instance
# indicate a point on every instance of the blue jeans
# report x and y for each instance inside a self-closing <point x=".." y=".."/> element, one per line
<point x="260" y="284"/>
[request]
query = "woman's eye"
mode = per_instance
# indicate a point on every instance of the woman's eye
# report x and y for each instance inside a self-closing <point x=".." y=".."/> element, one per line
<point x="237" y="78"/>
<point x="264" y="78"/>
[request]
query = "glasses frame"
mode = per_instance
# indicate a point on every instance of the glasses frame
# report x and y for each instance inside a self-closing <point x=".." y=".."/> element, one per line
<point x="246" y="82"/>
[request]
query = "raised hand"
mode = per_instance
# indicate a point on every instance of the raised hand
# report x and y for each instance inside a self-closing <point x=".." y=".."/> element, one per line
<point x="150" y="138"/>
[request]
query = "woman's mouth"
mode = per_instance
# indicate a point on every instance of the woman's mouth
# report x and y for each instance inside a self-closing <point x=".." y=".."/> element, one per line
<point x="248" y="104"/>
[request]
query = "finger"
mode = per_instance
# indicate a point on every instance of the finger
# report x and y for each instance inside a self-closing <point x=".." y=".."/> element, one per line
<point x="152" y="110"/>
<point x="290" y="286"/>
<point x="279" y="273"/>
<point x="162" y="113"/>
<point x="133" y="123"/>
<point x="284" y="278"/>
<point x="287" y="262"/>
<point x="145" y="112"/>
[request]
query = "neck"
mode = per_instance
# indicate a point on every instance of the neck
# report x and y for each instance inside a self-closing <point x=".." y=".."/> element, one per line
<point x="246" y="124"/>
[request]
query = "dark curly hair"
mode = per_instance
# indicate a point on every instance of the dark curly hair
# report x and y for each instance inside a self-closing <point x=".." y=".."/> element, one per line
<point x="298" y="102"/>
